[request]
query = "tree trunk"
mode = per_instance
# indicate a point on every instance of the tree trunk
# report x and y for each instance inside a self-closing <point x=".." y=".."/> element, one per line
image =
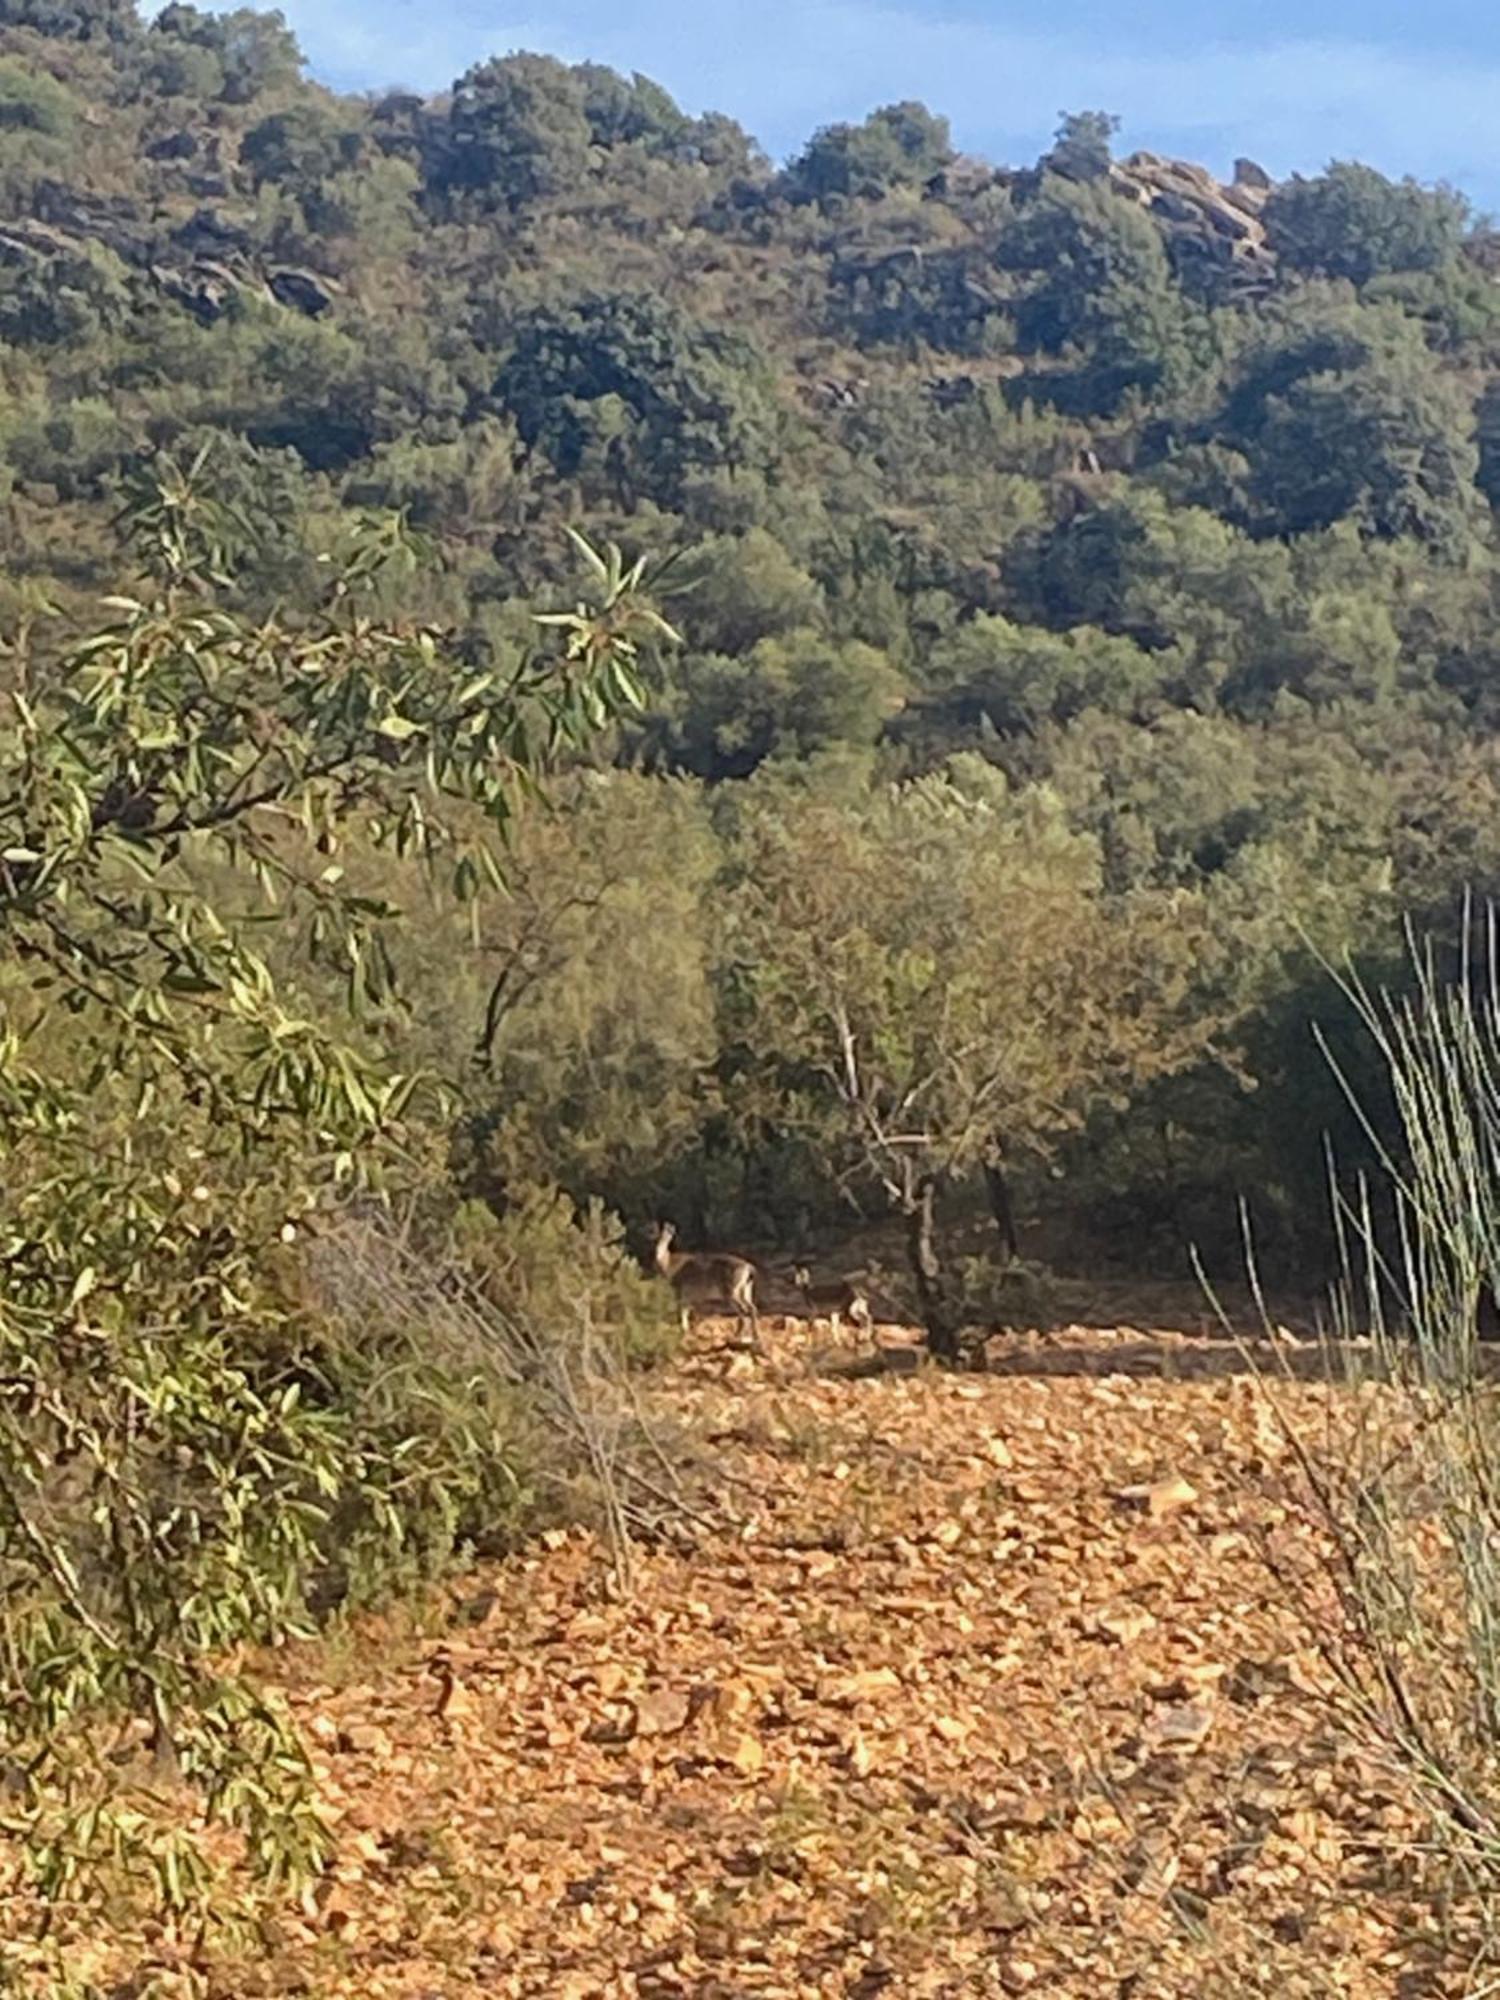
<point x="1174" y="1192"/>
<point x="1002" y="1206"/>
<point x="926" y="1268"/>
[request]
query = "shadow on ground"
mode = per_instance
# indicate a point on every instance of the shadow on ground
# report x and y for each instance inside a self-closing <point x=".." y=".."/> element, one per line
<point x="1152" y="1356"/>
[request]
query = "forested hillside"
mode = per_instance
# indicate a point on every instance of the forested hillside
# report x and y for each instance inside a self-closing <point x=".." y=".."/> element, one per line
<point x="1137" y="528"/>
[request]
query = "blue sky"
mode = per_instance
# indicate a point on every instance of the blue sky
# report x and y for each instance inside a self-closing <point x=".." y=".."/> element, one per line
<point x="1411" y="85"/>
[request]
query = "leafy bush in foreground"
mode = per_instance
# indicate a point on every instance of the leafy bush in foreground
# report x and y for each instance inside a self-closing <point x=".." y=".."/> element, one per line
<point x="175" y="1461"/>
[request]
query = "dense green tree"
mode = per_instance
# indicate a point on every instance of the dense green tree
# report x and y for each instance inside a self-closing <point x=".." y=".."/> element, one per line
<point x="632" y="394"/>
<point x="632" y="110"/>
<point x="727" y="148"/>
<point x="1351" y="222"/>
<point x="34" y="103"/>
<point x="39" y="120"/>
<point x="256" y="53"/>
<point x="1099" y="285"/>
<point x="1127" y="563"/>
<point x="746" y="588"/>
<point x="76" y="447"/>
<point x="78" y="20"/>
<point x="952" y="299"/>
<point x="61" y="300"/>
<point x="1387" y="448"/>
<point x="465" y="489"/>
<point x="300" y="146"/>
<point x="1306" y="829"/>
<point x="518" y="130"/>
<point x="900" y="145"/>
<point x="326" y="412"/>
<point x="939" y="985"/>
<point x="1081" y="150"/>
<point x="173" y="66"/>
<point x="789" y="697"/>
<point x="1360" y="422"/>
<point x="580" y="1002"/>
<point x="1018" y="678"/>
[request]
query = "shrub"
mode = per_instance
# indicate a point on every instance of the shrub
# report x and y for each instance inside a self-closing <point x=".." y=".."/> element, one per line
<point x="1408" y="1500"/>
<point x="546" y="1262"/>
<point x="182" y="1444"/>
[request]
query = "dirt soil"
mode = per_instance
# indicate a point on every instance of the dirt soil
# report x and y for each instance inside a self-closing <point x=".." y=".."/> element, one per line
<point x="970" y="1685"/>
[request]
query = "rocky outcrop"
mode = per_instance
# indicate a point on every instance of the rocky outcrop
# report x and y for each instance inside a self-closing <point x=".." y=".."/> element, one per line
<point x="113" y="221"/>
<point x="22" y="242"/>
<point x="304" y="291"/>
<point x="1215" y="232"/>
<point x="201" y="264"/>
<point x="204" y="288"/>
<point x="1220" y="230"/>
<point x="209" y="232"/>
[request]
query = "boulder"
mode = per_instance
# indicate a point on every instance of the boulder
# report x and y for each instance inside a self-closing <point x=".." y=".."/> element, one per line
<point x="1227" y="222"/>
<point x="1186" y="174"/>
<point x="1131" y="190"/>
<point x="1216" y="232"/>
<point x="1174" y="207"/>
<point x="25" y="242"/>
<point x="1250" y="174"/>
<point x="1249" y="201"/>
<point x="111" y="220"/>
<point x="210" y="233"/>
<point x="204" y="289"/>
<point x="302" y="291"/>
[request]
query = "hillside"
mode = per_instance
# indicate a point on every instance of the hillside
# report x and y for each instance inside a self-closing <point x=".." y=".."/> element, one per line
<point x="1164" y="501"/>
<point x="930" y="719"/>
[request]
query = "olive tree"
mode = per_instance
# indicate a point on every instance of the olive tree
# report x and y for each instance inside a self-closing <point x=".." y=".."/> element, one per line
<point x="936" y="981"/>
<point x="175" y="1113"/>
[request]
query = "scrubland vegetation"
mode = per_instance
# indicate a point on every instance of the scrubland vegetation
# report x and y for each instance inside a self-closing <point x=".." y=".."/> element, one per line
<point x="1047" y="679"/>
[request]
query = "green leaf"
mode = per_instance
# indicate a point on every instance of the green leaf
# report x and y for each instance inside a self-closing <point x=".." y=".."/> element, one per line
<point x="591" y="556"/>
<point x="399" y="728"/>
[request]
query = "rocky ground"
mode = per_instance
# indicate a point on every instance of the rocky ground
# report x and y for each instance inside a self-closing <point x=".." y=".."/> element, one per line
<point x="962" y="1685"/>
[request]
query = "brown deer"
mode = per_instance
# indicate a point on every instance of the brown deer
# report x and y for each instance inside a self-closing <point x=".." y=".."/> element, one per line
<point x="835" y="1299"/>
<point x="708" y="1279"/>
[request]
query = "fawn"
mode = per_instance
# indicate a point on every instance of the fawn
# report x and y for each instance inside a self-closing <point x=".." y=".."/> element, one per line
<point x="834" y="1299"/>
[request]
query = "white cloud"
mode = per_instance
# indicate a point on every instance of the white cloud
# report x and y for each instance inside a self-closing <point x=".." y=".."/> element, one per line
<point x="785" y="66"/>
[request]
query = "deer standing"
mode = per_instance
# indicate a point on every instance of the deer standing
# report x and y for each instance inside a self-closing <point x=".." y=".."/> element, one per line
<point x="708" y="1278"/>
<point x="835" y="1299"/>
